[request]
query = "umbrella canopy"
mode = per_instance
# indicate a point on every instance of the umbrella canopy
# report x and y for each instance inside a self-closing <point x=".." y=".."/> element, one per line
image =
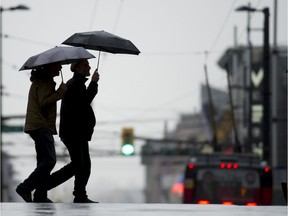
<point x="102" y="41"/>
<point x="64" y="55"/>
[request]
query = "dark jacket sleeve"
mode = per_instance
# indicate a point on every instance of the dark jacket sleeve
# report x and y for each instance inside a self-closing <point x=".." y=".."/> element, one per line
<point x="91" y="92"/>
<point x="77" y="116"/>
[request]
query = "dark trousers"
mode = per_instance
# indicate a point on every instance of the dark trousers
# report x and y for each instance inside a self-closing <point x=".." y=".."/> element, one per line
<point x="46" y="160"/>
<point x="80" y="167"/>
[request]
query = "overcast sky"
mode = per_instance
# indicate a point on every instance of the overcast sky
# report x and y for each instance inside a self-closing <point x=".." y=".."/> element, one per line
<point x="159" y="84"/>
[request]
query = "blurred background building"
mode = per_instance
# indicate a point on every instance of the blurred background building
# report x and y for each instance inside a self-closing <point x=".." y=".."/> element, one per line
<point x="165" y="160"/>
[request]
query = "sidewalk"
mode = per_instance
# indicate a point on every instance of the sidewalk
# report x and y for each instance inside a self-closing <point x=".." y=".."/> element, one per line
<point x="70" y="209"/>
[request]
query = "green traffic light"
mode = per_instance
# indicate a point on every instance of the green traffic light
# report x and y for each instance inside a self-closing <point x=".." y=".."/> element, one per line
<point x="128" y="149"/>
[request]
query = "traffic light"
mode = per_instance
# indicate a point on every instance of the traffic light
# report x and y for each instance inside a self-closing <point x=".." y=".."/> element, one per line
<point x="127" y="147"/>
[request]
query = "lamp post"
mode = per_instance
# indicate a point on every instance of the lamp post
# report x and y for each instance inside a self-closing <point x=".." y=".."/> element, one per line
<point x="266" y="120"/>
<point x="22" y="8"/>
<point x="18" y="7"/>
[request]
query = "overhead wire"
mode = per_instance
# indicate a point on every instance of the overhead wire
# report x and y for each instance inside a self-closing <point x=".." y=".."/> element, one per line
<point x="214" y="140"/>
<point x="173" y="54"/>
<point x="115" y="26"/>
<point x="132" y="121"/>
<point x="93" y="14"/>
<point x="162" y="104"/>
<point x="135" y="120"/>
<point x="117" y="16"/>
<point x="7" y="36"/>
<point x="189" y="53"/>
<point x="208" y="52"/>
<point x="222" y="27"/>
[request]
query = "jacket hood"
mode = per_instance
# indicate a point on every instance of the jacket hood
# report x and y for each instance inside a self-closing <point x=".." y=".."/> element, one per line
<point x="39" y="74"/>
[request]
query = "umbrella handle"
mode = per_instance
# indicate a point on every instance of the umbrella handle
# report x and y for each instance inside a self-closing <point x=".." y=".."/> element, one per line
<point x="61" y="76"/>
<point x="98" y="60"/>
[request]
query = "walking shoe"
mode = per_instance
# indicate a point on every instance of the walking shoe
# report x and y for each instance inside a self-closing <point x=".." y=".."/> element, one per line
<point x="26" y="195"/>
<point x="83" y="200"/>
<point x="45" y="200"/>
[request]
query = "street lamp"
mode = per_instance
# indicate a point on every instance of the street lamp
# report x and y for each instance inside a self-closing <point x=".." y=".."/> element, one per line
<point x="246" y="8"/>
<point x="18" y="7"/>
<point x="22" y="8"/>
<point x="266" y="123"/>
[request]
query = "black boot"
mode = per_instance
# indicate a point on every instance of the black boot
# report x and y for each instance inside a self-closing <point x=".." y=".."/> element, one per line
<point x="25" y="194"/>
<point x="40" y="196"/>
<point x="83" y="200"/>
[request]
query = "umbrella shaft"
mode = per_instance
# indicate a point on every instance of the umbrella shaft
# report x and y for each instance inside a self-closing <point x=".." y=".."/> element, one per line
<point x="98" y="60"/>
<point x="61" y="75"/>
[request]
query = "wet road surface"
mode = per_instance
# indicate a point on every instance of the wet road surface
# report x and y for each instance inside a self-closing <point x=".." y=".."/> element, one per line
<point x="70" y="209"/>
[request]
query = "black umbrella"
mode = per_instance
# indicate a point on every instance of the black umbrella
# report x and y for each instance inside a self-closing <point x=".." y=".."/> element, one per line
<point x="64" y="55"/>
<point x="102" y="41"/>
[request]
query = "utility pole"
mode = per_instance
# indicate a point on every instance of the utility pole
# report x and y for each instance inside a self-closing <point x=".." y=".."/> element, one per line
<point x="274" y="95"/>
<point x="261" y="109"/>
<point x="214" y="141"/>
<point x="249" y="83"/>
<point x="266" y="89"/>
<point x="237" y="146"/>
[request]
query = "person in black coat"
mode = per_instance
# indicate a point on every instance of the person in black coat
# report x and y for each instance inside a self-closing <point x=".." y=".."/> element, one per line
<point x="77" y="121"/>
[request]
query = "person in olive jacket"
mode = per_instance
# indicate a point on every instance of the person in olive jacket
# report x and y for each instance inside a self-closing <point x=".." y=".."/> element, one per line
<point x="40" y="125"/>
<point x="77" y="121"/>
